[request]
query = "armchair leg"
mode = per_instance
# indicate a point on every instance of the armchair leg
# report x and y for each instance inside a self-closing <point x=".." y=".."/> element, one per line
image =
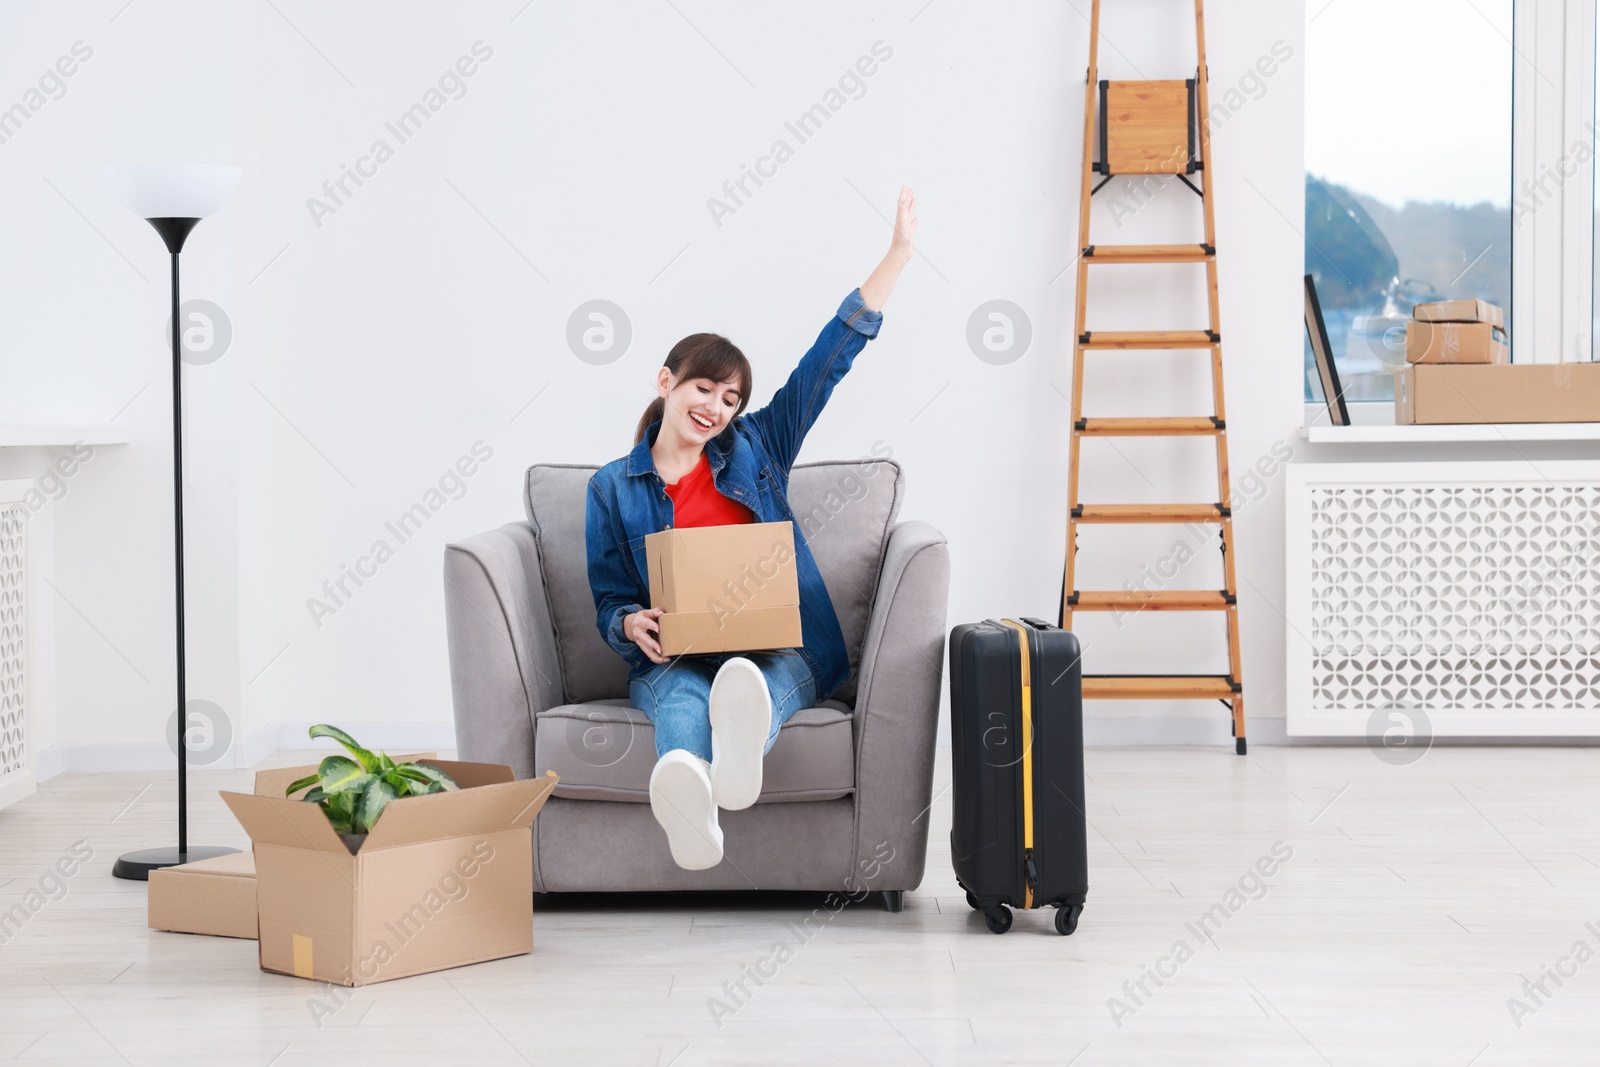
<point x="894" y="899"/>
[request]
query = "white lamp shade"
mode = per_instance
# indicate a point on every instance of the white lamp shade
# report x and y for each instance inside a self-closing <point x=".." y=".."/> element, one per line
<point x="172" y="190"/>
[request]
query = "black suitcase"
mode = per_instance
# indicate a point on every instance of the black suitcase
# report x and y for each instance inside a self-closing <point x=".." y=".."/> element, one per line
<point x="1016" y="727"/>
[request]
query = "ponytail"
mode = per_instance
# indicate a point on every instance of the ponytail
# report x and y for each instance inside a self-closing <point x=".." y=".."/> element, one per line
<point x="651" y="414"/>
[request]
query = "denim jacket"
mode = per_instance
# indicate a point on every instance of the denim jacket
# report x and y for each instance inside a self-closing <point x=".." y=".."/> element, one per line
<point x="750" y="462"/>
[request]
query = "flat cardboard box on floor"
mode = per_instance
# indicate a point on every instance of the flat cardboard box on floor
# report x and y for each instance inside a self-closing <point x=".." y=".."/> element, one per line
<point x="1512" y="392"/>
<point x="215" y="896"/>
<point x="1468" y="310"/>
<point x="442" y="880"/>
<point x="218" y="896"/>
<point x="725" y="588"/>
<point x="1454" y="342"/>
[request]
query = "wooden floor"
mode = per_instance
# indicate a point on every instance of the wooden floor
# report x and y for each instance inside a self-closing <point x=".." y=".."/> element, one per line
<point x="1414" y="905"/>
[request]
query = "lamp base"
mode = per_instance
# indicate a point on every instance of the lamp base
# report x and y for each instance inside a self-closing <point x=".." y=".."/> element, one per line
<point x="138" y="865"/>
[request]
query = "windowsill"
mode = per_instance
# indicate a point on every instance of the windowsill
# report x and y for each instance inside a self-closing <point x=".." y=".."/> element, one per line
<point x="60" y="436"/>
<point x="1391" y="434"/>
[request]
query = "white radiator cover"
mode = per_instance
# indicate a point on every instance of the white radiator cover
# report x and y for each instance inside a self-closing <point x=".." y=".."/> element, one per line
<point x="16" y="755"/>
<point x="1470" y="591"/>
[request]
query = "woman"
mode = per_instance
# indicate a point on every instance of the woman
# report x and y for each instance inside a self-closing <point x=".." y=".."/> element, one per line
<point x="697" y="461"/>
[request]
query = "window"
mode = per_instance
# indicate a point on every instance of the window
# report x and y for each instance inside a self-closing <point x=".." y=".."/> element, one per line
<point x="1409" y="171"/>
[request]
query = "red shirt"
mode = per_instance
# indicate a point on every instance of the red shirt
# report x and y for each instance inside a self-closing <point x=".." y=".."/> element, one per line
<point x="697" y="502"/>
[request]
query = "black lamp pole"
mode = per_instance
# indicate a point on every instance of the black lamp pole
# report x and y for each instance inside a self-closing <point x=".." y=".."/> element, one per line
<point x="138" y="865"/>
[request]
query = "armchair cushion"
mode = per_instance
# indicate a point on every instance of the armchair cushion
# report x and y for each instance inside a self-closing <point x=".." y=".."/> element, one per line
<point x="845" y="509"/>
<point x="605" y="750"/>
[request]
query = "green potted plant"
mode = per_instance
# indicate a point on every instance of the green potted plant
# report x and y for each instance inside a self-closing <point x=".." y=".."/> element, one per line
<point x="353" y="790"/>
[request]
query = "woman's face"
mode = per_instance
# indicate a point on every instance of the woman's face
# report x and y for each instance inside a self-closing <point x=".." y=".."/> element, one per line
<point x="698" y="408"/>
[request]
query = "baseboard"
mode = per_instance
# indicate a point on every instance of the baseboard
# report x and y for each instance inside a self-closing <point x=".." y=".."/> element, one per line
<point x="1130" y="732"/>
<point x="256" y="746"/>
<point x="131" y="756"/>
<point x="250" y="752"/>
<point x="47" y="763"/>
<point x="1179" y="730"/>
<point x="392" y="736"/>
<point x="1133" y="732"/>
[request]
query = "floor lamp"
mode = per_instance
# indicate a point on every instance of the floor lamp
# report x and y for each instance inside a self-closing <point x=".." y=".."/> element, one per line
<point x="173" y="198"/>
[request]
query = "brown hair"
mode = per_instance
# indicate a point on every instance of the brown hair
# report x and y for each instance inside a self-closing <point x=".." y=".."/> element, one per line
<point x="701" y="355"/>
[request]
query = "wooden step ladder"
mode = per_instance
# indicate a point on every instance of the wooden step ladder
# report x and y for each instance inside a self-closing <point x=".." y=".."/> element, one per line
<point x="1152" y="128"/>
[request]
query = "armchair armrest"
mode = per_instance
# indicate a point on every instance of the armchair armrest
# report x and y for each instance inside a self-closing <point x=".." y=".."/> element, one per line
<point x="503" y="665"/>
<point x="897" y="709"/>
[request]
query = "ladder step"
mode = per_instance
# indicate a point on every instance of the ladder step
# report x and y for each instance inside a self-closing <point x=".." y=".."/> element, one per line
<point x="1196" y="253"/>
<point x="1146" y="600"/>
<point x="1161" y="427"/>
<point x="1158" y="687"/>
<point x="1149" y="339"/>
<point x="1134" y="513"/>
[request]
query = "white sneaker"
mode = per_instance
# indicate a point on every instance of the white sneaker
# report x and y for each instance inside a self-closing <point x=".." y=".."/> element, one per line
<point x="680" y="798"/>
<point x="741" y="719"/>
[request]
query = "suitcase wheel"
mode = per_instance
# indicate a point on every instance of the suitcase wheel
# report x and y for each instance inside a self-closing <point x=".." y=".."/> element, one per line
<point x="972" y="902"/>
<point x="1067" y="918"/>
<point x="998" y="920"/>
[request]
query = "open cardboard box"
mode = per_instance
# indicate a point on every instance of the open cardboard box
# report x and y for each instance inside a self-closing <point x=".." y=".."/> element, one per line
<point x="218" y="896"/>
<point x="725" y="588"/>
<point x="442" y="880"/>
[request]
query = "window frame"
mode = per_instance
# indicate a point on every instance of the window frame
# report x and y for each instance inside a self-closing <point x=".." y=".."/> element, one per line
<point x="1546" y="61"/>
<point x="1552" y="249"/>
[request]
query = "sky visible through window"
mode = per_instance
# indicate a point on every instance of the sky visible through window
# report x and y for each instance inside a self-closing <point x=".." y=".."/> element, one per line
<point x="1408" y="170"/>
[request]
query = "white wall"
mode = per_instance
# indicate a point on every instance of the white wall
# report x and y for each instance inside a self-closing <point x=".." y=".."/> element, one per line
<point x="425" y="313"/>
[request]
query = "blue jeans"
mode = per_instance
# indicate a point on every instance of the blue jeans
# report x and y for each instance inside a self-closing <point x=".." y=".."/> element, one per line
<point x="676" y="696"/>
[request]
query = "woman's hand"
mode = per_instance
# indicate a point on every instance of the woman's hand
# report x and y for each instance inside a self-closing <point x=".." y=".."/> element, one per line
<point x="639" y="628"/>
<point x="905" y="225"/>
<point x="876" y="289"/>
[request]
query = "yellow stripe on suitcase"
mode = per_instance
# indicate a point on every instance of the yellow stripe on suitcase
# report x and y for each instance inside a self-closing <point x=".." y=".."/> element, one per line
<point x="1027" y="757"/>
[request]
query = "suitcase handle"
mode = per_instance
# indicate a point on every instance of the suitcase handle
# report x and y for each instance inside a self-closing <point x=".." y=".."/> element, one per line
<point x="1028" y="620"/>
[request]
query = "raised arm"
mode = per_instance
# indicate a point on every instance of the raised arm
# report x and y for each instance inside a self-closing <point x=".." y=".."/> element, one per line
<point x="880" y="283"/>
<point x="785" y="421"/>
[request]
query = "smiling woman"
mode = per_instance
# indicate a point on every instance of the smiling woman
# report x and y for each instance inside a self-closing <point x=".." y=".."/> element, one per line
<point x="698" y="460"/>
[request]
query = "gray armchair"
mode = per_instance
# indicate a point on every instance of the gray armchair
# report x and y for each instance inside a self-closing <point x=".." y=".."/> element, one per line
<point x="847" y="785"/>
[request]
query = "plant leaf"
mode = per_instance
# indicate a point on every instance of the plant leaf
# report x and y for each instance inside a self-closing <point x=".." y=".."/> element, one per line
<point x="310" y="779"/>
<point x="339" y="811"/>
<point x="374" y="798"/>
<point x="423" y="772"/>
<point x="368" y="760"/>
<point x="385" y="764"/>
<point x="340" y="773"/>
<point x="402" y="784"/>
<point x="316" y="796"/>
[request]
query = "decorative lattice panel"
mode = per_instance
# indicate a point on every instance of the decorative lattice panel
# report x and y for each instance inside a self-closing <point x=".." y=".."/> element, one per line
<point x="13" y="645"/>
<point x="1478" y="597"/>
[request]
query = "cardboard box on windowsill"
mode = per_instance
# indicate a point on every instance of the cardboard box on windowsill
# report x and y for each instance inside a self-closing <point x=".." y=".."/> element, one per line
<point x="1454" y="342"/>
<point x="442" y="880"/>
<point x="1468" y="310"/>
<point x="1511" y="392"/>
<point x="725" y="588"/>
